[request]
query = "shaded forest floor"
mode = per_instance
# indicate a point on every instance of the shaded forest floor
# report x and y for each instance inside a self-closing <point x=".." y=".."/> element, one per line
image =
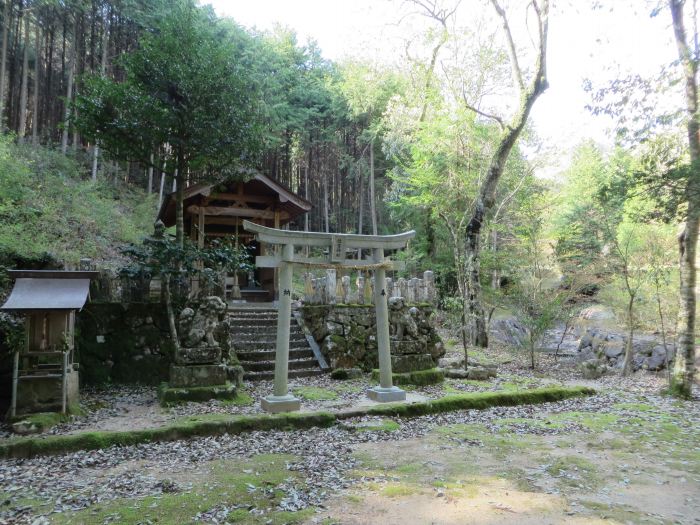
<point x="625" y="455"/>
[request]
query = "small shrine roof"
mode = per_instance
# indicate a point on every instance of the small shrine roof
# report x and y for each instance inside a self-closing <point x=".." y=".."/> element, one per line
<point x="49" y="290"/>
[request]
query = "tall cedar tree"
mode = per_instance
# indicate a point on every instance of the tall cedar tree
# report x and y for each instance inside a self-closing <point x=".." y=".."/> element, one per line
<point x="187" y="89"/>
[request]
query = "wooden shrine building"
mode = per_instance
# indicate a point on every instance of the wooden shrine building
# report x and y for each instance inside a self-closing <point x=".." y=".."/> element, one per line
<point x="218" y="210"/>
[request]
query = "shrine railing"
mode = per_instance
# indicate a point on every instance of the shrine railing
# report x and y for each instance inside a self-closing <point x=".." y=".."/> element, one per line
<point x="330" y="288"/>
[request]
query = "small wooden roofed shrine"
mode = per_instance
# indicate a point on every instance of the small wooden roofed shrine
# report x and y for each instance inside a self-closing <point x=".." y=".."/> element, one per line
<point x="44" y="376"/>
<point x="218" y="210"/>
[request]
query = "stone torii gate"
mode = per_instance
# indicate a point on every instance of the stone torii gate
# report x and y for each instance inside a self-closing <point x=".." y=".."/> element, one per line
<point x="337" y="244"/>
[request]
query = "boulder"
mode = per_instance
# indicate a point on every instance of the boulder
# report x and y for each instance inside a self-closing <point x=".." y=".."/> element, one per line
<point x="597" y="312"/>
<point x="451" y="362"/>
<point x="480" y="373"/>
<point x="509" y="330"/>
<point x="613" y="349"/>
<point x="25" y="427"/>
<point x="455" y="373"/>
<point x="346" y="373"/>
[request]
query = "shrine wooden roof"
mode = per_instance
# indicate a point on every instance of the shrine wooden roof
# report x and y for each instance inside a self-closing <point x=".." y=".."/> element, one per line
<point x="257" y="198"/>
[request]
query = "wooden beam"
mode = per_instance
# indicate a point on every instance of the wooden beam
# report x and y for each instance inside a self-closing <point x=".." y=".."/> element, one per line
<point x="229" y="234"/>
<point x="226" y="221"/>
<point x="221" y="211"/>
<point x="236" y="197"/>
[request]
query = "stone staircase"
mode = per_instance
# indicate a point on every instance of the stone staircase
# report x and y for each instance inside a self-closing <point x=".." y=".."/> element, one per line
<point x="254" y="337"/>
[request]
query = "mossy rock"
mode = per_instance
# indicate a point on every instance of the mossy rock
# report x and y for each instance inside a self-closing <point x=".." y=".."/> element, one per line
<point x="43" y="421"/>
<point x="342" y="374"/>
<point x="418" y="378"/>
<point x="172" y="396"/>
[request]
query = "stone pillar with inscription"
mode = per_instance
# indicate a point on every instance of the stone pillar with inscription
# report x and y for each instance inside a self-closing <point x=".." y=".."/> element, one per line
<point x="282" y="400"/>
<point x="386" y="391"/>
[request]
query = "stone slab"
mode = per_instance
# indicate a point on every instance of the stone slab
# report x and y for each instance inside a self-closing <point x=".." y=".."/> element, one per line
<point x="174" y="395"/>
<point x="407" y="346"/>
<point x="386" y="395"/>
<point x="277" y="404"/>
<point x="401" y="364"/>
<point x="201" y="355"/>
<point x="197" y="375"/>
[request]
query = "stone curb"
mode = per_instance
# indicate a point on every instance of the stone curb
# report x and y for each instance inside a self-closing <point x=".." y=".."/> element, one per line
<point x="193" y="427"/>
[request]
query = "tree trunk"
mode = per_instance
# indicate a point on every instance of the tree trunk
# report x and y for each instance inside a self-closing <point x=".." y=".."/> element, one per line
<point x="325" y="203"/>
<point x="103" y="69"/>
<point x="684" y="367"/>
<point x="179" y="199"/>
<point x="478" y="335"/>
<point x="167" y="299"/>
<point x="487" y="192"/>
<point x="495" y="275"/>
<point x="69" y="93"/>
<point x="7" y="12"/>
<point x="627" y="368"/>
<point x="150" y="177"/>
<point x="24" y="89"/>
<point x="37" y="69"/>
<point x="162" y="187"/>
<point x="372" y="200"/>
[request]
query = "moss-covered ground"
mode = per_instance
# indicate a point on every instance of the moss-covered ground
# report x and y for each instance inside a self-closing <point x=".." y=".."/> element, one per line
<point x="246" y="487"/>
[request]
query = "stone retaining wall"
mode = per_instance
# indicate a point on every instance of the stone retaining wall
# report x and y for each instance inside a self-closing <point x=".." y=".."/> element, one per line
<point x="347" y="335"/>
<point x="123" y="343"/>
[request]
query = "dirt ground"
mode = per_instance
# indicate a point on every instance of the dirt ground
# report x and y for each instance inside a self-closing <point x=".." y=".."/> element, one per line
<point x="435" y="480"/>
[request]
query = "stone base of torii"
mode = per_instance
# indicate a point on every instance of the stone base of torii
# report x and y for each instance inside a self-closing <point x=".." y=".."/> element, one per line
<point x="281" y="400"/>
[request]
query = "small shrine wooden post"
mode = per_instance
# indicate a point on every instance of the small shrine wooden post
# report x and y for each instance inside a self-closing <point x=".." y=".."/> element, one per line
<point x="337" y="244"/>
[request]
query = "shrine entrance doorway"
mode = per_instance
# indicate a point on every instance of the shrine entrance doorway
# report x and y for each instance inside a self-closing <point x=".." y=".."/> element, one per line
<point x="337" y="246"/>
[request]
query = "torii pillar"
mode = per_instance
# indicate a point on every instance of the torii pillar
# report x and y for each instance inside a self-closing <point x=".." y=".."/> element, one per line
<point x="386" y="391"/>
<point x="281" y="400"/>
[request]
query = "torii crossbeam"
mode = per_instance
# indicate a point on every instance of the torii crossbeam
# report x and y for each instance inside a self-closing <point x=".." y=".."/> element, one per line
<point x="338" y="244"/>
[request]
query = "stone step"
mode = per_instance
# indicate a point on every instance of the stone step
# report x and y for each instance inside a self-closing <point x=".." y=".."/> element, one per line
<point x="294" y="364"/>
<point x="264" y="345"/>
<point x="269" y="332"/>
<point x="269" y="355"/>
<point x="254" y="322"/>
<point x="254" y="328"/>
<point x="252" y="313"/>
<point x="258" y="376"/>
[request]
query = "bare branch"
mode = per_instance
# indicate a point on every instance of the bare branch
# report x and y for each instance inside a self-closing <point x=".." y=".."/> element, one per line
<point x="517" y="72"/>
<point x="482" y="113"/>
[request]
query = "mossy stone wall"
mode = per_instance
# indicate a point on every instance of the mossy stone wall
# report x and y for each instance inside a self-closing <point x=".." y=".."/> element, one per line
<point x="347" y="334"/>
<point x="123" y="343"/>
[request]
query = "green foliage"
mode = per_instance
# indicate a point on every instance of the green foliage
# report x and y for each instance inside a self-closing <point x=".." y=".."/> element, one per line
<point x="314" y="393"/>
<point x="50" y="214"/>
<point x="480" y="401"/>
<point x="188" y="85"/>
<point x="161" y="256"/>
<point x="418" y="378"/>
